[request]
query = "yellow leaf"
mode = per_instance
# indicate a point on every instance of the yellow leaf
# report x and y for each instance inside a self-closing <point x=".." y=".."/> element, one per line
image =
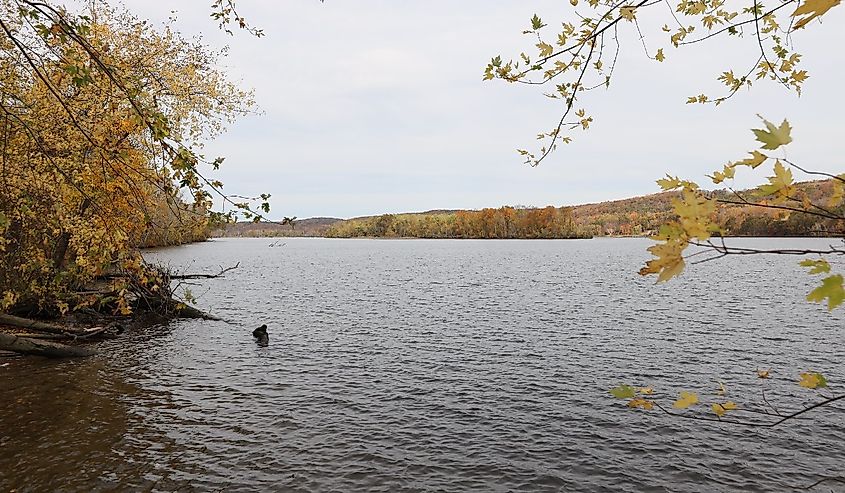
<point x="669" y="262"/>
<point x="545" y="49"/>
<point x="646" y="390"/>
<point x="722" y="409"/>
<point x="780" y="184"/>
<point x="799" y="76"/>
<point x="757" y="158"/>
<point x="669" y="183"/>
<point x="686" y="400"/>
<point x="763" y="373"/>
<point x="838" y="192"/>
<point x="694" y="211"/>
<point x="627" y="12"/>
<point x="659" y="56"/>
<point x="812" y="380"/>
<point x="812" y="9"/>
<point x="640" y="402"/>
<point x="721" y="390"/>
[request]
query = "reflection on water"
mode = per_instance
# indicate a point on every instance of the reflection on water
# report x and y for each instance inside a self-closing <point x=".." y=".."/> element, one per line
<point x="433" y="365"/>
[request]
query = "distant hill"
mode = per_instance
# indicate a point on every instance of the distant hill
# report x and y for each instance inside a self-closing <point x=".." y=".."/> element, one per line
<point x="645" y="214"/>
<point x="315" y="226"/>
<point x="636" y="216"/>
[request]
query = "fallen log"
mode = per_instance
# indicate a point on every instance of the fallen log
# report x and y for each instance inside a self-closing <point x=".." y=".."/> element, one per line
<point x="24" y="345"/>
<point x="26" y="323"/>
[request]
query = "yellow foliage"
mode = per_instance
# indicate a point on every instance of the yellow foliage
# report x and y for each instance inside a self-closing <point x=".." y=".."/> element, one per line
<point x="88" y="177"/>
<point x="812" y="9"/>
<point x="685" y="400"/>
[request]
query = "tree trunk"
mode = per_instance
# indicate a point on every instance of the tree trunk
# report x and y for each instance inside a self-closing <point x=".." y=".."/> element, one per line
<point x="41" y="348"/>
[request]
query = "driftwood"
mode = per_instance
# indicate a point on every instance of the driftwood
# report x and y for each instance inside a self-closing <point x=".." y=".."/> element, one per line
<point x="25" y="345"/>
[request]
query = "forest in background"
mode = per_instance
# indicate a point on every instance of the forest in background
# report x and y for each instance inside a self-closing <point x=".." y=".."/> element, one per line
<point x="637" y="216"/>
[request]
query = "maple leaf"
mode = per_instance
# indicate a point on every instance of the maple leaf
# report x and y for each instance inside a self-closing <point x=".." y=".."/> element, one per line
<point x="813" y="380"/>
<point x="669" y="262"/>
<point x="627" y="12"/>
<point x="812" y="9"/>
<point x="773" y="137"/>
<point x="799" y="76"/>
<point x="757" y="158"/>
<point x="536" y="23"/>
<point x="780" y="184"/>
<point x="694" y="211"/>
<point x="831" y="289"/>
<point x="669" y="183"/>
<point x="623" y="392"/>
<point x="545" y="49"/>
<point x="686" y="400"/>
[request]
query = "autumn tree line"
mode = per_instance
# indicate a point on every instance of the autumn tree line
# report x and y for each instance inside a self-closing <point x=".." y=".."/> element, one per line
<point x="638" y="216"/>
<point x="102" y="119"/>
<point x="504" y="222"/>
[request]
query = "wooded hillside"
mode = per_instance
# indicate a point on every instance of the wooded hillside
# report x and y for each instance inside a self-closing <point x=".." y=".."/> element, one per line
<point x="637" y="216"/>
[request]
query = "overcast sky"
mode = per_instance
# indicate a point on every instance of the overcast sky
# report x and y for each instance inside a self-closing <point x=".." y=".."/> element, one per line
<point x="374" y="106"/>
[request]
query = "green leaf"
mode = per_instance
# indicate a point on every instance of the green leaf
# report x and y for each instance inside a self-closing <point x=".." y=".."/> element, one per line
<point x="623" y="392"/>
<point x="536" y="23"/>
<point x="831" y="289"/>
<point x="813" y="380"/>
<point x="816" y="266"/>
<point x="773" y="137"/>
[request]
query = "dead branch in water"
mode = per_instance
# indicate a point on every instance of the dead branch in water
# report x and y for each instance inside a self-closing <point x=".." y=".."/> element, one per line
<point x="205" y="276"/>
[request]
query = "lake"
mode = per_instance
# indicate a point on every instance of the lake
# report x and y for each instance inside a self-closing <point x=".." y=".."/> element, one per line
<point x="438" y="365"/>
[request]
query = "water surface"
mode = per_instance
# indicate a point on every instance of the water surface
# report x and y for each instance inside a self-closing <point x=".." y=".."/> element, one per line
<point x="435" y="365"/>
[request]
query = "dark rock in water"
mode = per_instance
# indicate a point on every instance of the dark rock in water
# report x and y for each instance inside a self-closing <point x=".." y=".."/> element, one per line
<point x="260" y="335"/>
